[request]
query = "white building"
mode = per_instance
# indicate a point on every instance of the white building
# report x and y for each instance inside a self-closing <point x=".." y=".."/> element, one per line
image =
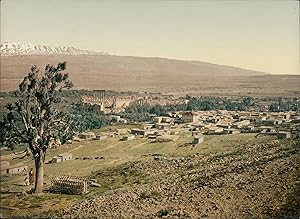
<point x="190" y="117"/>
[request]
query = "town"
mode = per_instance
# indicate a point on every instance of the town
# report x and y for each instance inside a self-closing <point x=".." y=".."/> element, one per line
<point x="171" y="126"/>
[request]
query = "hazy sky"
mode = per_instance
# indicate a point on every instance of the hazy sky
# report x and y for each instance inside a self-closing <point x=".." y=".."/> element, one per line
<point x="261" y="35"/>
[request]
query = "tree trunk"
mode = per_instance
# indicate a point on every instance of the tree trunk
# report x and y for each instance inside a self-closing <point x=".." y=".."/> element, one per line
<point x="39" y="176"/>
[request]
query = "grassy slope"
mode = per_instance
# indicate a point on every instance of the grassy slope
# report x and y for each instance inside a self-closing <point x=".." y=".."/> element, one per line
<point x="115" y="153"/>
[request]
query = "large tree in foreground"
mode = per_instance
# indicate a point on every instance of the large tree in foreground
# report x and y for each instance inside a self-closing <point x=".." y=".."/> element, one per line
<point x="34" y="119"/>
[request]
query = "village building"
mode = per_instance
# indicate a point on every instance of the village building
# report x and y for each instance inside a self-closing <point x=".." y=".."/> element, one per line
<point x="267" y="130"/>
<point x="157" y="119"/>
<point x="128" y="137"/>
<point x="61" y="157"/>
<point x="15" y="169"/>
<point x="190" y="117"/>
<point x="146" y="126"/>
<point x="198" y="139"/>
<point x="65" y="156"/>
<point x="159" y="132"/>
<point x="3" y="167"/>
<point x="87" y="135"/>
<point x="142" y="132"/>
<point x="100" y="137"/>
<point x="122" y="131"/>
<point x="231" y="131"/>
<point x="215" y="130"/>
<point x="224" y="125"/>
<point x="194" y="133"/>
<point x="114" y="118"/>
<point x="163" y="126"/>
<point x="283" y="135"/>
<point x="244" y="113"/>
<point x="240" y="124"/>
<point x="56" y="159"/>
<point x="166" y="119"/>
<point x="152" y="136"/>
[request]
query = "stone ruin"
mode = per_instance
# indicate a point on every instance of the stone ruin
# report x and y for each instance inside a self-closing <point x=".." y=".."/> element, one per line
<point x="72" y="185"/>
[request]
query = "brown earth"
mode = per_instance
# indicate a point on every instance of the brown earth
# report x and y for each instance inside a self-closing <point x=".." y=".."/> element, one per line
<point x="154" y="75"/>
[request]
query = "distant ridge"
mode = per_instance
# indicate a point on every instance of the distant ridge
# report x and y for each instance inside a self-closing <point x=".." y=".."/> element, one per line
<point x="96" y="70"/>
<point x="15" y="49"/>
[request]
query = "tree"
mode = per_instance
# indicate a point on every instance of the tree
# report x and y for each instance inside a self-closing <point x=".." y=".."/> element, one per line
<point x="33" y="119"/>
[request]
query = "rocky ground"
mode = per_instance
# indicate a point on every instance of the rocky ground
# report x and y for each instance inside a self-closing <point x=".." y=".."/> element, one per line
<point x="253" y="181"/>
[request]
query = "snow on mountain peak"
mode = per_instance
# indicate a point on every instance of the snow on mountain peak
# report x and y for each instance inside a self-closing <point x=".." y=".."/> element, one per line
<point x="14" y="49"/>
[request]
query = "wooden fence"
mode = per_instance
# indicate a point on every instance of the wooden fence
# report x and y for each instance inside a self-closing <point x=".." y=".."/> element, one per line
<point x="65" y="184"/>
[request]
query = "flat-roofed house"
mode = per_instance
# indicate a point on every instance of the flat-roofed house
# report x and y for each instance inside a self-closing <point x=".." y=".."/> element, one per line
<point x="114" y="118"/>
<point x="100" y="137"/>
<point x="215" y="130"/>
<point x="240" y="124"/>
<point x="163" y="126"/>
<point x="283" y="135"/>
<point x="147" y="126"/>
<point x="56" y="159"/>
<point x="3" y="167"/>
<point x="16" y="169"/>
<point x="198" y="139"/>
<point x="143" y="132"/>
<point x="87" y="135"/>
<point x="190" y="117"/>
<point x="65" y="156"/>
<point x="232" y="131"/>
<point x="128" y="137"/>
<point x="157" y="119"/>
<point x="224" y="125"/>
<point x="166" y="119"/>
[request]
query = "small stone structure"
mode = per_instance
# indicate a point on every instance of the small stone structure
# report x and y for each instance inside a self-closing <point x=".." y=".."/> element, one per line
<point x="87" y="135"/>
<point x="61" y="157"/>
<point x="15" y="169"/>
<point x="65" y="156"/>
<point x="198" y="139"/>
<point x="128" y="137"/>
<point x="283" y="135"/>
<point x="72" y="185"/>
<point x="100" y="137"/>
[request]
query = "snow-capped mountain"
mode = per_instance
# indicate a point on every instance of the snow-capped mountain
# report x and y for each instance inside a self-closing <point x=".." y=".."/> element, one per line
<point x="14" y="49"/>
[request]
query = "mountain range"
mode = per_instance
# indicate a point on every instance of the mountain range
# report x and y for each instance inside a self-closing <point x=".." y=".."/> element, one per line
<point x="13" y="49"/>
<point x="96" y="70"/>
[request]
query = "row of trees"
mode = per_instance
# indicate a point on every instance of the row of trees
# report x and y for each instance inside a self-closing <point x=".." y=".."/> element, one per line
<point x="142" y="113"/>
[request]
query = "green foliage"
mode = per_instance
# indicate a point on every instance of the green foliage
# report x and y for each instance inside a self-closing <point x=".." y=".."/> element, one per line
<point x="32" y="119"/>
<point x="142" y="113"/>
<point x="137" y="113"/>
<point x="88" y="117"/>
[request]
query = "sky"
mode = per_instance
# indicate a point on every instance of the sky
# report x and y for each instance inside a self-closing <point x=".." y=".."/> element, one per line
<point x="260" y="35"/>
